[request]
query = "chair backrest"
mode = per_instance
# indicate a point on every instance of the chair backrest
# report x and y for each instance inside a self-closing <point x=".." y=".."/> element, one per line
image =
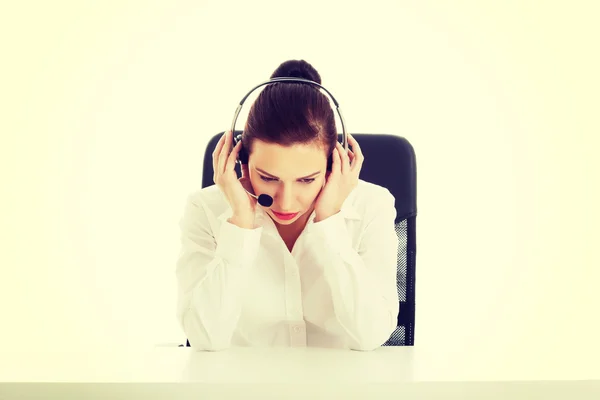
<point x="389" y="162"/>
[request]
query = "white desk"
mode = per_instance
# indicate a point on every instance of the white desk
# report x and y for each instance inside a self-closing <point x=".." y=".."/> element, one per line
<point x="299" y="373"/>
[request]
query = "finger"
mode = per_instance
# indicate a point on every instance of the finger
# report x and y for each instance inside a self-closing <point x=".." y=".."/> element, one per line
<point x="358" y="155"/>
<point x="224" y="154"/>
<point x="217" y="149"/>
<point x="351" y="156"/>
<point x="345" y="163"/>
<point x="336" y="164"/>
<point x="215" y="156"/>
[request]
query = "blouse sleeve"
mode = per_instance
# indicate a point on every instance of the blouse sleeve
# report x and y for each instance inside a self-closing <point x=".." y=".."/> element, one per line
<point x="362" y="281"/>
<point x="210" y="277"/>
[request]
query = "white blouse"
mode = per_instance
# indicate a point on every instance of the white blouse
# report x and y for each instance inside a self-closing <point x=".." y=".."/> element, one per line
<point x="243" y="287"/>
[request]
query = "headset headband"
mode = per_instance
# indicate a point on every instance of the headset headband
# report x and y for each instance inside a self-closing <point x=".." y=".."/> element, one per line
<point x="298" y="80"/>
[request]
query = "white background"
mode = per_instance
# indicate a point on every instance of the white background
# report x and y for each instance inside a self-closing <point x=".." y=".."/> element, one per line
<point x="106" y="108"/>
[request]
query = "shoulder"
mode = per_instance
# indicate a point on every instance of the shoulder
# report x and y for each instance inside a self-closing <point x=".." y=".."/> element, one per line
<point x="366" y="189"/>
<point x="209" y="199"/>
<point x="368" y="199"/>
<point x="370" y="193"/>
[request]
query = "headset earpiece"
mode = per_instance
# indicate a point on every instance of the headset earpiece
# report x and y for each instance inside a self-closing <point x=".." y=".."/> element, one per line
<point x="242" y="154"/>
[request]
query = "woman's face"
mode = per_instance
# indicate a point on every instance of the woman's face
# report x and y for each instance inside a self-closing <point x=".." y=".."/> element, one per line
<point x="293" y="176"/>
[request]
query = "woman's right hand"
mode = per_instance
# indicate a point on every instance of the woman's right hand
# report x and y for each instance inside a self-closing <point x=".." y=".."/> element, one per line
<point x="225" y="177"/>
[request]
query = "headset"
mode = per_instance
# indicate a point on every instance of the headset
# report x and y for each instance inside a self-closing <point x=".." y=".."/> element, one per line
<point x="264" y="199"/>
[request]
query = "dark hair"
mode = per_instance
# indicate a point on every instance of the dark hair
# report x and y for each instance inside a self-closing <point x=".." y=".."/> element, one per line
<point x="289" y="113"/>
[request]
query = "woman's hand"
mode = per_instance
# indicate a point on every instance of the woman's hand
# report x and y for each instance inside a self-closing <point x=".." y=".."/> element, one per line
<point x="342" y="179"/>
<point x="224" y="176"/>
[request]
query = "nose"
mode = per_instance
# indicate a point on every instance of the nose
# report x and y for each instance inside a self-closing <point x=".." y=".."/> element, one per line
<point x="285" y="198"/>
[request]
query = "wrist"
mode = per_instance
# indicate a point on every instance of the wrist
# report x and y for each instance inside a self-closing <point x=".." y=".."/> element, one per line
<point x="245" y="222"/>
<point x="320" y="216"/>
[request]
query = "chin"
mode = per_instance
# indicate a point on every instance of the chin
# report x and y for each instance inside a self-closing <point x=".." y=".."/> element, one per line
<point x="288" y="222"/>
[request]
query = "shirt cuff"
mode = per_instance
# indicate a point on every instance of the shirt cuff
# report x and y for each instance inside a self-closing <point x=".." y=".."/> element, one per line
<point x="331" y="232"/>
<point x="237" y="245"/>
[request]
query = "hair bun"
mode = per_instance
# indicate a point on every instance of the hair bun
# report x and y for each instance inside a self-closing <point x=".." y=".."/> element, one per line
<point x="297" y="69"/>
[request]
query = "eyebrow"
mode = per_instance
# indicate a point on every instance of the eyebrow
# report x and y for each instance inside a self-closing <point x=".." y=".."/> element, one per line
<point x="276" y="177"/>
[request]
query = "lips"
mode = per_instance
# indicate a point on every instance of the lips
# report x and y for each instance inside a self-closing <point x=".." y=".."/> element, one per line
<point x="284" y="216"/>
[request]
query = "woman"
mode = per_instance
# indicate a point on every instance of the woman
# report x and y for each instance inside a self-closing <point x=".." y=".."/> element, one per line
<point x="318" y="267"/>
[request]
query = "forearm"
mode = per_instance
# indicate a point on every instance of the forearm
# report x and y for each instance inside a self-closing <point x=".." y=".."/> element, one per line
<point x="365" y="302"/>
<point x="211" y="286"/>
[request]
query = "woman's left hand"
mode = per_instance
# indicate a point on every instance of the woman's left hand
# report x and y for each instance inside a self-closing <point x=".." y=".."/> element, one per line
<point x="342" y="179"/>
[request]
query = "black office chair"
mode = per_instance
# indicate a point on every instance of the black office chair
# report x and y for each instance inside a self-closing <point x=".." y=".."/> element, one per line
<point x="389" y="162"/>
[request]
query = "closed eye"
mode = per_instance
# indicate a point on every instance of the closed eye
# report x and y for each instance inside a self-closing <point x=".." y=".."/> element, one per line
<point x="305" y="180"/>
<point x="264" y="178"/>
